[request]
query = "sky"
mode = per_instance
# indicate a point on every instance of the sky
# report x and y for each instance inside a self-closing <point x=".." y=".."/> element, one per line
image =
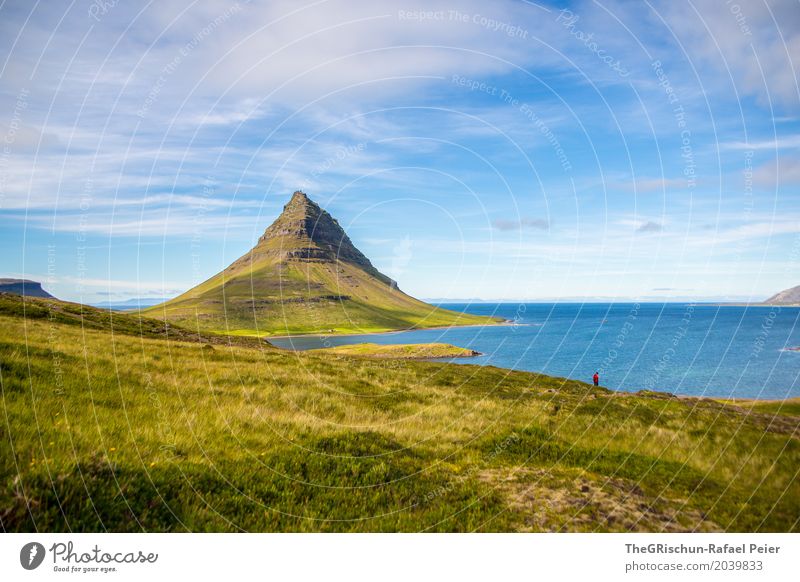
<point x="608" y="150"/>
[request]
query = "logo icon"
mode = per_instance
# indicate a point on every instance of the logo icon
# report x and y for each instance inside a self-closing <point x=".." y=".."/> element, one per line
<point x="31" y="555"/>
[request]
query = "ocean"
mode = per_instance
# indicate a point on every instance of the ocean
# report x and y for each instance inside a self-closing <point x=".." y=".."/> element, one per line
<point x="690" y="349"/>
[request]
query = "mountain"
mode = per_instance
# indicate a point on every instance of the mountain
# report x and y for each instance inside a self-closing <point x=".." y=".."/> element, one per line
<point x="304" y="276"/>
<point x="23" y="287"/>
<point x="785" y="297"/>
<point x="129" y="304"/>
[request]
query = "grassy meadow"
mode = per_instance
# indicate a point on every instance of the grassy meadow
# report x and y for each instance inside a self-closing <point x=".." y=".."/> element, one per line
<point x="115" y="423"/>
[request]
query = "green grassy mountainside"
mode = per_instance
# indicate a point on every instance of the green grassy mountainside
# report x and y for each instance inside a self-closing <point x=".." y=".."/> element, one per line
<point x="304" y="276"/>
<point x="119" y="423"/>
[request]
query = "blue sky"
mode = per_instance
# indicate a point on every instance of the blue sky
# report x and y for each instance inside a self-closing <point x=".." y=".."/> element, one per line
<point x="503" y="150"/>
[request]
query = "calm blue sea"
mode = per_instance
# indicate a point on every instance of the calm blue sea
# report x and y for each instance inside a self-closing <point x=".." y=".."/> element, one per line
<point x="692" y="349"/>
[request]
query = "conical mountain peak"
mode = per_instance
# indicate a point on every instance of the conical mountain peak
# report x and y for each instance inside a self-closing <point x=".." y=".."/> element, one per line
<point x="304" y="275"/>
<point x="304" y="232"/>
<point x="299" y="217"/>
<point x="300" y="197"/>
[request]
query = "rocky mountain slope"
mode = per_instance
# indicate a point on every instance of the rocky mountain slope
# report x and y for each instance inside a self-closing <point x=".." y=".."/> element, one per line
<point x="304" y="276"/>
<point x="785" y="297"/>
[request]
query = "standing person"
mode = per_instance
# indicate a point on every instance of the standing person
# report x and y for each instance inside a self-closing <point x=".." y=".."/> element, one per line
<point x="596" y="379"/>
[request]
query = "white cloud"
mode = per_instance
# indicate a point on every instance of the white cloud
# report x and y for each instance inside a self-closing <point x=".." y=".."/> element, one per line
<point x="150" y="222"/>
<point x="521" y="224"/>
<point x="788" y="142"/>
<point x="643" y="185"/>
<point x="258" y="102"/>
<point x="784" y="171"/>
<point x="203" y="80"/>
<point x="756" y="44"/>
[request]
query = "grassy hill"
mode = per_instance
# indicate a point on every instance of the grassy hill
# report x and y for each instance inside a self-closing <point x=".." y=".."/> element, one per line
<point x="304" y="276"/>
<point x="114" y="423"/>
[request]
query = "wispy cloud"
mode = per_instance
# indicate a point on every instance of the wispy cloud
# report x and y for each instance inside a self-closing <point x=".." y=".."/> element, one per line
<point x="757" y="44"/>
<point x="643" y="185"/>
<point x="788" y="142"/>
<point x="650" y="226"/>
<point x="784" y="171"/>
<point x="111" y="287"/>
<point x="521" y="224"/>
<point x="178" y="222"/>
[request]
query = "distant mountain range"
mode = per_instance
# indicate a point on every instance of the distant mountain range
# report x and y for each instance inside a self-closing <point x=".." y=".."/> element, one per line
<point x="304" y="276"/>
<point x="129" y="304"/>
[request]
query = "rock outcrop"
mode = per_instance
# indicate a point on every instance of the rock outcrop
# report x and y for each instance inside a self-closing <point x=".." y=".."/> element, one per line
<point x="304" y="232"/>
<point x="23" y="287"/>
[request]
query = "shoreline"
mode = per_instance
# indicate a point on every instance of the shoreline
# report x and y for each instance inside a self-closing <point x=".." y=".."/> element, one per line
<point x="725" y="400"/>
<point x="737" y="401"/>
<point x="787" y="305"/>
<point x="406" y="352"/>
<point x="506" y="323"/>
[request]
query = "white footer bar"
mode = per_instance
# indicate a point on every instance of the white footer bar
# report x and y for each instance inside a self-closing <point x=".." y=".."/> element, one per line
<point x="372" y="557"/>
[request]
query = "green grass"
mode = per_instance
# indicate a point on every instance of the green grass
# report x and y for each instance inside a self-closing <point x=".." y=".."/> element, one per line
<point x="89" y="318"/>
<point x="136" y="430"/>
<point x="399" y="351"/>
<point x="790" y="407"/>
<point x="271" y="298"/>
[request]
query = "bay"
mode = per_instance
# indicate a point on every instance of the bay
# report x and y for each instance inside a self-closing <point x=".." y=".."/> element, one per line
<point x="721" y="351"/>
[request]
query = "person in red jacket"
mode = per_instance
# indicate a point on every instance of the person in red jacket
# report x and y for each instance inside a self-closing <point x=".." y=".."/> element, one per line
<point x="596" y="379"/>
